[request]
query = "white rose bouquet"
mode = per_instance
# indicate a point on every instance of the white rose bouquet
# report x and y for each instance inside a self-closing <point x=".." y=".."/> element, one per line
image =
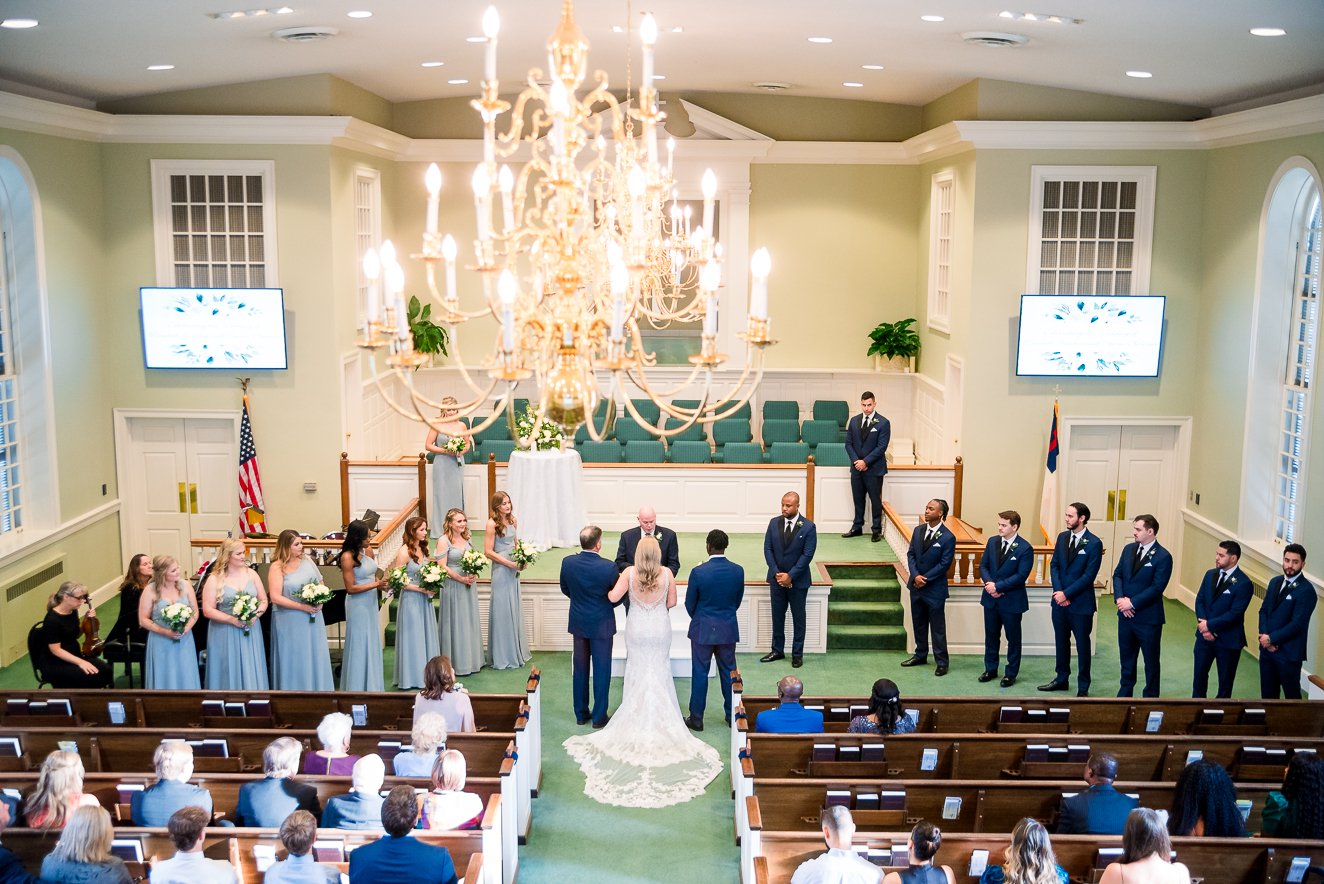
<point x="456" y="445"/>
<point x="316" y="594"/>
<point x="472" y="562"/>
<point x="524" y="553"/>
<point x="431" y="577"/>
<point x="176" y="616"/>
<point x="245" y="609"/>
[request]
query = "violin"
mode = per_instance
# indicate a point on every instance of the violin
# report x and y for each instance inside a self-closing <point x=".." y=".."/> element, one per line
<point x="90" y="629"/>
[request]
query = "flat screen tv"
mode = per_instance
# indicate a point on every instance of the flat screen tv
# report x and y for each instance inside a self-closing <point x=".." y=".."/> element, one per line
<point x="213" y="328"/>
<point x="1090" y="336"/>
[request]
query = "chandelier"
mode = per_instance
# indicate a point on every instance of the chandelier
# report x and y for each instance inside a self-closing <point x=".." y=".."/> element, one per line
<point x="577" y="248"/>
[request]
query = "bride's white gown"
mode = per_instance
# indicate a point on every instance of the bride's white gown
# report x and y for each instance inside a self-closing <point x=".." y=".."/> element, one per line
<point x="645" y="756"/>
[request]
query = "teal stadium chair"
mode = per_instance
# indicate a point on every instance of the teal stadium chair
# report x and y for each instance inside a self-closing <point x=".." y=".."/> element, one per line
<point x="499" y="430"/>
<point x="833" y="410"/>
<point x="647" y="409"/>
<point x="599" y="452"/>
<point x="694" y="433"/>
<point x="788" y="452"/>
<point x="630" y="430"/>
<point x="519" y="405"/>
<point x="687" y="404"/>
<point x="781" y="410"/>
<point x="780" y="431"/>
<point x="652" y="451"/>
<point x="690" y="451"/>
<point x="500" y="447"/>
<point x="831" y="454"/>
<point x="744" y="412"/>
<point x="816" y="432"/>
<point x="599" y="421"/>
<point x="730" y="430"/>
<point x="742" y="452"/>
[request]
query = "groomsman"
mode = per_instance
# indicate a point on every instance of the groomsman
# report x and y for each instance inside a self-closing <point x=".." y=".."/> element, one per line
<point x="932" y="548"/>
<point x="1220" y="628"/>
<point x="1077" y="556"/>
<point x="1284" y="624"/>
<point x="1005" y="567"/>
<point x="1139" y="581"/>
<point x="788" y="548"/>
<point x="712" y="599"/>
<point x="867" y="438"/>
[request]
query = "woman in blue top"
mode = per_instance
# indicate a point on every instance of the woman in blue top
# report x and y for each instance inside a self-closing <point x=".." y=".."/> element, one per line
<point x="361" y="664"/>
<point x="236" y="654"/>
<point x="300" y="657"/>
<point x="884" y="716"/>
<point x="1029" y="858"/>
<point x="416" y="640"/>
<point x="925" y="839"/>
<point x="172" y="659"/>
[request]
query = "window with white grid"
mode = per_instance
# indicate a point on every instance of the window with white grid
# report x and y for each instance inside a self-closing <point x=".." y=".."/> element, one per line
<point x="367" y="227"/>
<point x="11" y="475"/>
<point x="215" y="223"/>
<point x="1091" y="228"/>
<point x="940" y="251"/>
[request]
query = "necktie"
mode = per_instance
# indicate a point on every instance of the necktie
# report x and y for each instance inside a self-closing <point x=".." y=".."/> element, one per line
<point x="786" y="533"/>
<point x="1135" y="562"/>
<point x="1222" y="579"/>
<point x="1285" y="589"/>
<point x="932" y="535"/>
<point x="1075" y="543"/>
<point x="1006" y="548"/>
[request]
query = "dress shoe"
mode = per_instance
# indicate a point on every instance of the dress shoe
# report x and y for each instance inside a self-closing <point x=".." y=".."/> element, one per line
<point x="797" y="662"/>
<point x="915" y="661"/>
<point x="581" y="721"/>
<point x="1007" y="681"/>
<point x="940" y="671"/>
<point x="1054" y="686"/>
<point x="598" y="725"/>
<point x="854" y="532"/>
<point x="876" y="536"/>
<point x="987" y="676"/>
<point x="772" y="657"/>
<point x="694" y="724"/>
<point x="1082" y="693"/>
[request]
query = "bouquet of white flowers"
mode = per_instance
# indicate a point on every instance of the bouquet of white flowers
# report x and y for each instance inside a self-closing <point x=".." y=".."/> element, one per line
<point x="316" y="594"/>
<point x="524" y="553"/>
<point x="396" y="580"/>
<point x="245" y="609"/>
<point x="473" y="562"/>
<point x="176" y="616"/>
<point x="456" y="445"/>
<point x="431" y="577"/>
<point x="550" y="433"/>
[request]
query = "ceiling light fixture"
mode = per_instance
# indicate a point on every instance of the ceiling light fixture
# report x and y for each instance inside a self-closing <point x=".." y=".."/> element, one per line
<point x="677" y="30"/>
<point x="359" y="13"/>
<point x="475" y="39"/>
<point x="458" y="82"/>
<point x="872" y="67"/>
<point x="160" y="67"/>
<point x="1268" y="32"/>
<point x="851" y="85"/>
<point x="820" y="39"/>
<point x="657" y="77"/>
<point x="18" y="24"/>
<point x="432" y="64"/>
<point x="932" y="18"/>
<point x="1043" y="17"/>
<point x="250" y="13"/>
<point x="1139" y="75"/>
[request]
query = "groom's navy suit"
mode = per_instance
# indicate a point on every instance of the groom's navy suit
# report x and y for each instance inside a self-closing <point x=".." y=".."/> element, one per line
<point x="586" y="579"/>
<point x="712" y="598"/>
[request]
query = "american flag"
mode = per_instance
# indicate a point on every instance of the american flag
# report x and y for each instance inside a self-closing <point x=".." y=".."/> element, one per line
<point x="251" y="515"/>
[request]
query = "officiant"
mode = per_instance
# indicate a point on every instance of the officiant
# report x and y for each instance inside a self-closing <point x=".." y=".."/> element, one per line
<point x="648" y="527"/>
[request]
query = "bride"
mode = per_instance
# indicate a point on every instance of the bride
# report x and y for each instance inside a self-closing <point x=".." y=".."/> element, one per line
<point x="645" y="756"/>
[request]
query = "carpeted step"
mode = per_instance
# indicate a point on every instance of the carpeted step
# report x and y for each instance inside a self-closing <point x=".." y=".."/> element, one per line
<point x="880" y="638"/>
<point x="865" y="591"/>
<point x="861" y="572"/>
<point x="865" y="613"/>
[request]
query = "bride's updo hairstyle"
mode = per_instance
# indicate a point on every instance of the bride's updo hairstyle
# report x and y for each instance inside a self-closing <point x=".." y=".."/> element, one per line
<point x="647" y="564"/>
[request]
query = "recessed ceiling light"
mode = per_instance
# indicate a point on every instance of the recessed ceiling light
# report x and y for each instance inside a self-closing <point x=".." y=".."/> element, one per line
<point x="18" y="24"/>
<point x="820" y="39"/>
<point x="1044" y="17"/>
<point x="432" y="64"/>
<point x="458" y="82"/>
<point x="659" y="76"/>
<point x="251" y="13"/>
<point x="618" y="29"/>
<point x="359" y="13"/>
<point x="677" y="30"/>
<point x="1139" y="75"/>
<point x="932" y="18"/>
<point x="160" y="67"/>
<point x="851" y="85"/>
<point x="475" y="39"/>
<point x="872" y="67"/>
<point x="1268" y="32"/>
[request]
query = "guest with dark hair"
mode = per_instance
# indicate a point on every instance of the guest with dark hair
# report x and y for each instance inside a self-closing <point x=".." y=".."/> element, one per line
<point x="82" y="855"/>
<point x="268" y="801"/>
<point x="11" y="867"/>
<point x="840" y="864"/>
<point x="1297" y="811"/>
<point x="925" y="839"/>
<point x="1146" y="854"/>
<point x="884" y="715"/>
<point x="1101" y="809"/>
<point x="1029" y="858"/>
<point x="65" y="665"/>
<point x="172" y="790"/>
<point x="126" y="632"/>
<point x="361" y="808"/>
<point x="428" y="735"/>
<point x="397" y="857"/>
<point x="188" y="829"/>
<point x="361" y="663"/>
<point x="298" y="833"/>
<point x="449" y="806"/>
<point x="443" y="696"/>
<point x="1204" y="803"/>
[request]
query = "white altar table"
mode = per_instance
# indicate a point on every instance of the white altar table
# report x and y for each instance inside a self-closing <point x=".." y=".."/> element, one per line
<point x="547" y="490"/>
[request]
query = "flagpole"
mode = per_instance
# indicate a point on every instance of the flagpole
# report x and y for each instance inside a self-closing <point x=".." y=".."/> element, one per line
<point x="252" y="508"/>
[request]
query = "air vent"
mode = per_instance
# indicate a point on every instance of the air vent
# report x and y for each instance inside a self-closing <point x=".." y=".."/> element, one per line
<point x="772" y="87"/>
<point x="304" y="34"/>
<point x="996" y="39"/>
<point x="35" y="579"/>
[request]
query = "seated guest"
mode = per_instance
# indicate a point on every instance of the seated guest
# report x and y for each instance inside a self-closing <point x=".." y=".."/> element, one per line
<point x="65" y="666"/>
<point x="1146" y="854"/>
<point x="362" y="807"/>
<point x="267" y="802"/>
<point x="428" y="735"/>
<point x="1297" y="811"/>
<point x="298" y="833"/>
<point x="884" y="716"/>
<point x="333" y="758"/>
<point x="1204" y="803"/>
<point x="1029" y="858"/>
<point x="449" y="806"/>
<point x="925" y="839"/>
<point x="188" y="829"/>
<point x="172" y="790"/>
<point x="1100" y="809"/>
<point x="58" y="791"/>
<point x="82" y="855"/>
<point x="398" y="857"/>
<point x="840" y="865"/>
<point x="127" y="633"/>
<point x="11" y="867"/>
<point x="442" y="695"/>
<point x="789" y="717"/>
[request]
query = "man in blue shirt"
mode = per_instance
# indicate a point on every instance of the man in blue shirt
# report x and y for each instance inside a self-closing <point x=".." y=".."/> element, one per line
<point x="298" y="833"/>
<point x="398" y="857"/>
<point x="789" y="717"/>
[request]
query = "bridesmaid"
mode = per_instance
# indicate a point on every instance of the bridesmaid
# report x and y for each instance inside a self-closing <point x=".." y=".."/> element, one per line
<point x="172" y="658"/>
<point x="447" y="468"/>
<point x="361" y="664"/>
<point x="458" y="624"/>
<point x="507" y="646"/>
<point x="300" y="656"/>
<point x="236" y="654"/>
<point x="415" y="639"/>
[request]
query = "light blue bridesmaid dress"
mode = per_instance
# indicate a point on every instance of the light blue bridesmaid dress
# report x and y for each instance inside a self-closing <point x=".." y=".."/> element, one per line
<point x="447" y="486"/>
<point x="415" y="639"/>
<point x="300" y="657"/>
<point x="507" y="646"/>
<point x="171" y="664"/>
<point x="235" y="661"/>
<point x="361" y="665"/>
<point x="458" y="623"/>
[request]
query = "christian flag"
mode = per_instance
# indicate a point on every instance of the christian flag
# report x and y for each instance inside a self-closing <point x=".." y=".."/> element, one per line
<point x="252" y="514"/>
<point x="1048" y="503"/>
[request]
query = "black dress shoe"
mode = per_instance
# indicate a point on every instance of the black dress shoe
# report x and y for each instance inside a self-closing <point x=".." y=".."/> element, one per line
<point x="797" y="662"/>
<point x="940" y="671"/>
<point x="987" y="676"/>
<point x="1082" y="693"/>
<point x="601" y="724"/>
<point x="876" y="536"/>
<point x="915" y="661"/>
<point x="1007" y="681"/>
<point x="694" y="724"/>
<point x="852" y="533"/>
<point x="772" y="656"/>
<point x="581" y="721"/>
<point x="1054" y="686"/>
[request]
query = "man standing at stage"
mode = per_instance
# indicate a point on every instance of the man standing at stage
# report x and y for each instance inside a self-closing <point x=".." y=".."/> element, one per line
<point x="788" y="548"/>
<point x="867" y="437"/>
<point x="932" y="548"/>
<point x="1220" y="620"/>
<point x="1077" y="556"/>
<point x="1005" y="567"/>
<point x="1285" y="615"/>
<point x="1139" y="581"/>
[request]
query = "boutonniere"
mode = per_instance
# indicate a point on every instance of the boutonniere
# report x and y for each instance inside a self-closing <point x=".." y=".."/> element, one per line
<point x="1231" y="580"/>
<point x="799" y="524"/>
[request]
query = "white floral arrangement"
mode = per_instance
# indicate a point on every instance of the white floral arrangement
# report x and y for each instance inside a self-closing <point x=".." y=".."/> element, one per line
<point x="456" y="445"/>
<point x="431" y="577"/>
<point x="176" y="616"/>
<point x="525" y="553"/>
<point x="472" y="562"/>
<point x="396" y="581"/>
<point x="245" y="609"/>
<point x="316" y="594"/>
<point x="550" y="433"/>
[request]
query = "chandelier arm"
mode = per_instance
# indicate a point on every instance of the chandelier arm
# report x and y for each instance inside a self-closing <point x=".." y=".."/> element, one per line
<point x="464" y="409"/>
<point x="450" y="316"/>
<point x="416" y="415"/>
<point x="463" y="369"/>
<point x="641" y="382"/>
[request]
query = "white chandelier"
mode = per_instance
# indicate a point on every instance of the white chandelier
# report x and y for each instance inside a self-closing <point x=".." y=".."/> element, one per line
<point x="588" y="244"/>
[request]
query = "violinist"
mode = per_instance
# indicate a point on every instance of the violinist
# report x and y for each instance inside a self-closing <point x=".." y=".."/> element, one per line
<point x="66" y="665"/>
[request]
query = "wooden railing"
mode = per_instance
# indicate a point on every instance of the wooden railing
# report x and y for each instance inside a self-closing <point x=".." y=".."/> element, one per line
<point x="420" y="466"/>
<point x="970" y="544"/>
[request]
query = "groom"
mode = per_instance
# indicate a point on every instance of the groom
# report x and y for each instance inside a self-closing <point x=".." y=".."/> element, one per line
<point x="586" y="579"/>
<point x="712" y="599"/>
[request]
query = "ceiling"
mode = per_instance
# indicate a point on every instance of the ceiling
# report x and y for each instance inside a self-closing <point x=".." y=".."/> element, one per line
<point x="1200" y="52"/>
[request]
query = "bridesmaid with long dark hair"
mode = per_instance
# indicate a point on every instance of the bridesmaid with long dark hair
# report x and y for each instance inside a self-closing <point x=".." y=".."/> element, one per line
<point x="415" y="634"/>
<point x="127" y="632"/>
<point x="508" y="648"/>
<point x="172" y="659"/>
<point x="361" y="664"/>
<point x="300" y="657"/>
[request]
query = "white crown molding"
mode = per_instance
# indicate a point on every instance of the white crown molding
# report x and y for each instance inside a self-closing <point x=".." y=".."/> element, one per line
<point x="1302" y="116"/>
<point x="716" y="126"/>
<point x="1015" y="135"/>
<point x="51" y="118"/>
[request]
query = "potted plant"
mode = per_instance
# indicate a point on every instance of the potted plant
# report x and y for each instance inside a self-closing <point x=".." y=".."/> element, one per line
<point x="429" y="337"/>
<point x="895" y="341"/>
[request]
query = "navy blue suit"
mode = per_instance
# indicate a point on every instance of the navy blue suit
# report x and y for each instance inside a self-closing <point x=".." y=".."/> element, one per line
<point x="1099" y="810"/>
<point x="586" y="579"/>
<point x="1008" y="574"/>
<point x="12" y="870"/>
<point x="712" y="598"/>
<point x="928" y="603"/>
<point x="1144" y="583"/>
<point x="267" y="802"/>
<point x="869" y="446"/>
<point x="389" y="860"/>
<point x="1073" y="575"/>
<point x="1285" y="618"/>
<point x="353" y="811"/>
<point x="1225" y="615"/>
<point x="792" y="559"/>
<point x="155" y="805"/>
<point x="789" y="718"/>
<point x="666" y="540"/>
